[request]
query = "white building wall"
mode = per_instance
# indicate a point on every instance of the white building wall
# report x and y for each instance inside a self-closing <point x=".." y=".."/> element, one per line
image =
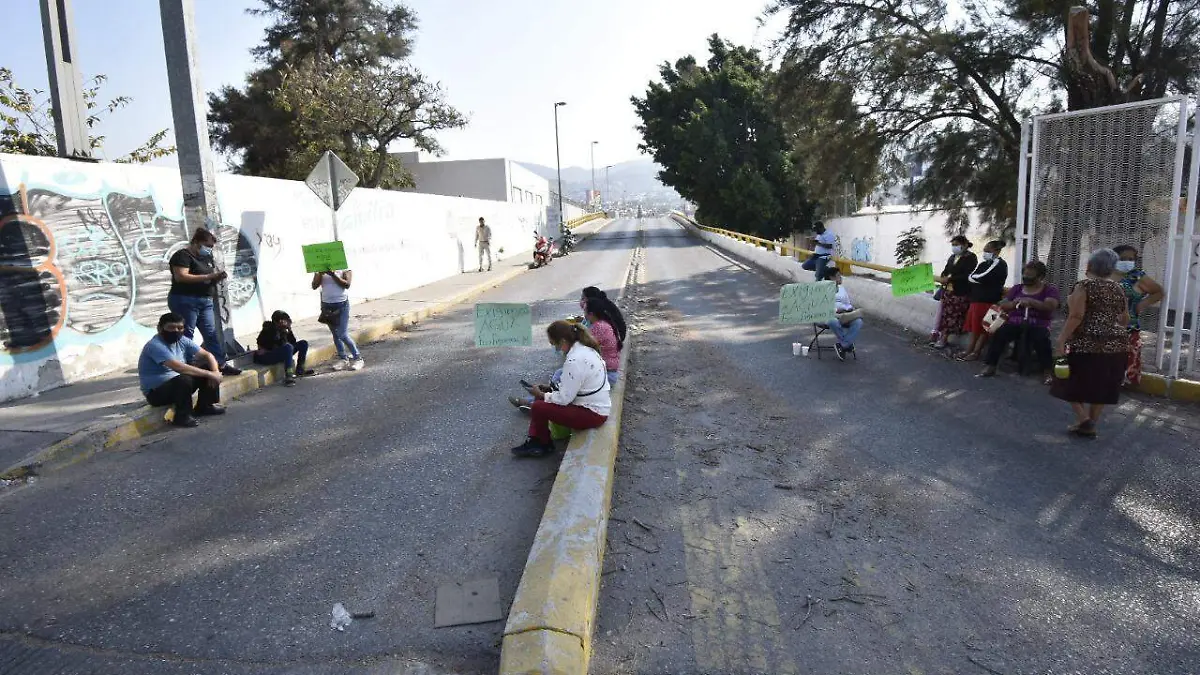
<point x="83" y="251"/>
<point x="871" y="236"/>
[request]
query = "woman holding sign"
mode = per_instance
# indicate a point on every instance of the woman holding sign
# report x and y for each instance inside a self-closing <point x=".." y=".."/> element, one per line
<point x="956" y="290"/>
<point x="335" y="313"/>
<point x="582" y="400"/>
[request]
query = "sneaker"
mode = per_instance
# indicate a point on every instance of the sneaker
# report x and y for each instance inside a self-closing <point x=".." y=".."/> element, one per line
<point x="532" y="448"/>
<point x="306" y="372"/>
<point x="290" y="381"/>
<point x="357" y="364"/>
<point x="840" y="351"/>
<point x="210" y="411"/>
<point x="186" y="422"/>
<point x="230" y="370"/>
<point x="516" y="402"/>
<point x="341" y="363"/>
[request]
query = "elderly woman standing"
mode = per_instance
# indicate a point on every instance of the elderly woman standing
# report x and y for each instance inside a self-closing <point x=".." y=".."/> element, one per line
<point x="1142" y="292"/>
<point x="956" y="290"/>
<point x="1095" y="340"/>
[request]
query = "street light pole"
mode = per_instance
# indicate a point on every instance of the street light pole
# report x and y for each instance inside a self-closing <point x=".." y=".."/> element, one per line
<point x="594" y="166"/>
<point x="558" y="161"/>
<point x="607" y="188"/>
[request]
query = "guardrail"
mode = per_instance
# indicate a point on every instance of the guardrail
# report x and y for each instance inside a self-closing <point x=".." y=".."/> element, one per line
<point x="787" y="249"/>
<point x="576" y="222"/>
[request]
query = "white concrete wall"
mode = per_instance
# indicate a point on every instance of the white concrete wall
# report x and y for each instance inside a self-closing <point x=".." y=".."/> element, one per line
<point x="871" y="236"/>
<point x="916" y="312"/>
<point x="530" y="187"/>
<point x="83" y="251"/>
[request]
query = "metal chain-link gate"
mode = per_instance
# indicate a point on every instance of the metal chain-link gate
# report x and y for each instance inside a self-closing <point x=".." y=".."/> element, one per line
<point x="1107" y="176"/>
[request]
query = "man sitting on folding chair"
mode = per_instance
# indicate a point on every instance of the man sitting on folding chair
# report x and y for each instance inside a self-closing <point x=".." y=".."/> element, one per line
<point x="847" y="321"/>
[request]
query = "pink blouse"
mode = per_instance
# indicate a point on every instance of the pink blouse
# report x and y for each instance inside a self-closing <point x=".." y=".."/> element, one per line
<point x="607" y="338"/>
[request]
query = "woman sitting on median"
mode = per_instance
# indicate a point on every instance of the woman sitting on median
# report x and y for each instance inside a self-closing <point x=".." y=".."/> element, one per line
<point x="602" y="327"/>
<point x="582" y="400"/>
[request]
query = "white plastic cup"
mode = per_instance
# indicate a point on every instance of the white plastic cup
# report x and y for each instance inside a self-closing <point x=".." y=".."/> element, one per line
<point x="797" y="349"/>
<point x="804" y="350"/>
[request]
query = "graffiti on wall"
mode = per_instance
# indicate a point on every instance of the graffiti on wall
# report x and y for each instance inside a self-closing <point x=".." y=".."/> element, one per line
<point x="860" y="249"/>
<point x="86" y="262"/>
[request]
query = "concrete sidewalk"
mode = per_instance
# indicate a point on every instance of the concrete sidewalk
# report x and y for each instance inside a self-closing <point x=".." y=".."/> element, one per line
<point x="62" y="426"/>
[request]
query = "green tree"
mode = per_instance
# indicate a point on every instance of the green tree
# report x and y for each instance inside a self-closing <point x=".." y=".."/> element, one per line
<point x="367" y="108"/>
<point x="953" y="82"/>
<point x="27" y="122"/>
<point x="714" y="130"/>
<point x="349" y="57"/>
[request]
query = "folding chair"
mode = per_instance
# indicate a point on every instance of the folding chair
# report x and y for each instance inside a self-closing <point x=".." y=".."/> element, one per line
<point x="815" y="345"/>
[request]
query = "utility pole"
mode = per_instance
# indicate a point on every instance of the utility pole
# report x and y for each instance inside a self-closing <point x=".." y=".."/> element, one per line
<point x="607" y="189"/>
<point x="66" y="80"/>
<point x="196" y="172"/>
<point x="558" y="161"/>
<point x="593" y="147"/>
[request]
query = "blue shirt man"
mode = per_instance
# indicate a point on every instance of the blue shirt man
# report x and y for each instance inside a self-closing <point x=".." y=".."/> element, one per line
<point x="172" y="368"/>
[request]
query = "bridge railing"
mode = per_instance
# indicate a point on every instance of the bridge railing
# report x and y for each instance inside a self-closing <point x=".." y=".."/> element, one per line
<point x="844" y="264"/>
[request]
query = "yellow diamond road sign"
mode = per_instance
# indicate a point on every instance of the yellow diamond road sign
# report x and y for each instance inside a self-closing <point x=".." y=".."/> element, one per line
<point x="331" y="180"/>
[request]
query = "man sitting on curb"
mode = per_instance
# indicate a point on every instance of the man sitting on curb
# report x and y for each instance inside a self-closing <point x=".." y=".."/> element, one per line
<point x="172" y="368"/>
<point x="278" y="344"/>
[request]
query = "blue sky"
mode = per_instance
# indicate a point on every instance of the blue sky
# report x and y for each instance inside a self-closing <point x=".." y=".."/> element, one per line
<point x="504" y="63"/>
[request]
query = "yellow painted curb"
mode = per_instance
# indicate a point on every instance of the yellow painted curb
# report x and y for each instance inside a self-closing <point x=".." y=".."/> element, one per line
<point x="542" y="652"/>
<point x="1155" y="385"/>
<point x="1185" y="390"/>
<point x="560" y="587"/>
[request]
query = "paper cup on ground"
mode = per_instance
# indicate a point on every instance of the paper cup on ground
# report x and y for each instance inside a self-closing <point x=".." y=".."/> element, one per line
<point x="804" y="350"/>
<point x="796" y="348"/>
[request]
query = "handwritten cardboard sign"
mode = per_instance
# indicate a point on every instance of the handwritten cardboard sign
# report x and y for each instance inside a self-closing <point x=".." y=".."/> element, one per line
<point x="913" y="280"/>
<point x="807" y="303"/>
<point x="503" y="325"/>
<point x="328" y="257"/>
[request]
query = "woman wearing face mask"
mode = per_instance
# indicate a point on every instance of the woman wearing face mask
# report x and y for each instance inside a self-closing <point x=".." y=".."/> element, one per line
<point x="611" y="310"/>
<point x="582" y="400"/>
<point x="956" y="290"/>
<point x="600" y="324"/>
<point x="193" y="278"/>
<point x="1142" y="292"/>
<point x="987" y="288"/>
<point x="1030" y="306"/>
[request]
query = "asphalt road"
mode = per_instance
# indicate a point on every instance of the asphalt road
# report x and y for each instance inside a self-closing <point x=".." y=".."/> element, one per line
<point x="223" y="549"/>
<point x="893" y="514"/>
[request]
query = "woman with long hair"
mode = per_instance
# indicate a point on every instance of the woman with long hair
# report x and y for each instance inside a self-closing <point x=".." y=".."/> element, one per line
<point x="956" y="291"/>
<point x="582" y="400"/>
<point x="600" y="324"/>
<point x="612" y="313"/>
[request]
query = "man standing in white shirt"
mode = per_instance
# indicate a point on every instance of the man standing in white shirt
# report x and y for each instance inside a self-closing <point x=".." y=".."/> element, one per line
<point x="483" y="242"/>
<point x="823" y="251"/>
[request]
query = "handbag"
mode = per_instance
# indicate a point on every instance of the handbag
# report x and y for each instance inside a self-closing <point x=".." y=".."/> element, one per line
<point x="994" y="319"/>
<point x="330" y="315"/>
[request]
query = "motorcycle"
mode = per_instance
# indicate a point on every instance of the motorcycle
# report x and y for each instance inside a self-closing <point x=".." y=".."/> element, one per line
<point x="567" y="241"/>
<point x="543" y="251"/>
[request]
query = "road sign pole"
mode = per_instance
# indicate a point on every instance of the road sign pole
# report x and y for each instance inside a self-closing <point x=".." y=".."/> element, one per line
<point x="333" y="194"/>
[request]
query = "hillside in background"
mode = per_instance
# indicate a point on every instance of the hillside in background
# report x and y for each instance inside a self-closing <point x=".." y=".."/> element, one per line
<point x="633" y="182"/>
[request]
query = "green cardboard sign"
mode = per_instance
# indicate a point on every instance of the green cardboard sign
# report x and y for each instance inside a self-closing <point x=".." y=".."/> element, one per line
<point x="328" y="257"/>
<point x="913" y="280"/>
<point x="807" y="303"/>
<point x="503" y="324"/>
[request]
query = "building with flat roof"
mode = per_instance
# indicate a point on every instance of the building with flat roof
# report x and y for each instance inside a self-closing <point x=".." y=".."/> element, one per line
<point x="502" y="180"/>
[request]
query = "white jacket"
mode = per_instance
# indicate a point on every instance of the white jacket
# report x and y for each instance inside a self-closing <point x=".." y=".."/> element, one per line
<point x="583" y="373"/>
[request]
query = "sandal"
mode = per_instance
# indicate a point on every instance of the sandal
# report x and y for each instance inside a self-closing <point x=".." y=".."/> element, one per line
<point x="1084" y="429"/>
<point x="969" y="356"/>
<point x="989" y="371"/>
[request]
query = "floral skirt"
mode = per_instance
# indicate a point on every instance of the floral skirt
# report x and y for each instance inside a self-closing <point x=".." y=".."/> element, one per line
<point x="1133" y="368"/>
<point x="954" y="314"/>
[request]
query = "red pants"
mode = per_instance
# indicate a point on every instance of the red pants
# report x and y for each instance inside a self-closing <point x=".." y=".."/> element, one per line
<point x="541" y="414"/>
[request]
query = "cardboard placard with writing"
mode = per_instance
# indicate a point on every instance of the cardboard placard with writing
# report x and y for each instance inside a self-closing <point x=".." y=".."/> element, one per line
<point x="807" y="303"/>
<point x="327" y="257"/>
<point x="503" y="324"/>
<point x="913" y="280"/>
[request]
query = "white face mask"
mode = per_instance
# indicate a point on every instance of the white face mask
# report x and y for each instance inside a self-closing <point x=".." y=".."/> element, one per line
<point x="206" y="251"/>
<point x="1126" y="266"/>
<point x="957" y="250"/>
<point x="989" y="256"/>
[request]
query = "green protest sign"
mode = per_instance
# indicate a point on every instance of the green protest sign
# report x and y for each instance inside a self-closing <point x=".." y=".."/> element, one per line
<point x="912" y="280"/>
<point x="503" y="325"/>
<point x="807" y="303"/>
<point x="327" y="257"/>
